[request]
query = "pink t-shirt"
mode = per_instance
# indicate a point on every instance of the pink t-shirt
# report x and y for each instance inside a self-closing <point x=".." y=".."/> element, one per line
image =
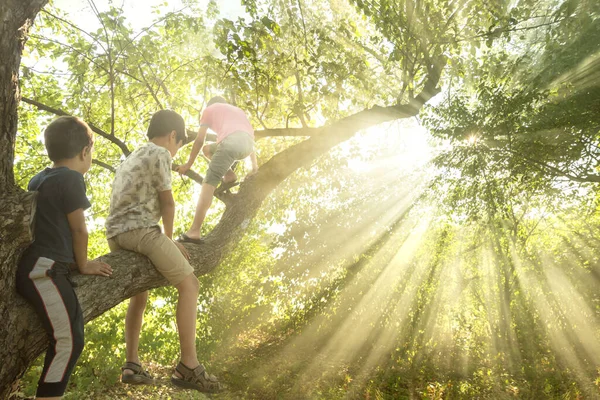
<point x="224" y="119"/>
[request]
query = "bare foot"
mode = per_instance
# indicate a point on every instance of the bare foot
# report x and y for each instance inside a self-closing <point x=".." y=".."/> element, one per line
<point x="229" y="177"/>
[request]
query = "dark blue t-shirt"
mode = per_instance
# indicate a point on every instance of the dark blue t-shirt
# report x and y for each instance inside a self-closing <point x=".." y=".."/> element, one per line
<point x="60" y="192"/>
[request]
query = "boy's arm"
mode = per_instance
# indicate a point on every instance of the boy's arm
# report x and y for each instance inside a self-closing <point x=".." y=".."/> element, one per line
<point x="196" y="147"/>
<point x="167" y="212"/>
<point x="79" y="234"/>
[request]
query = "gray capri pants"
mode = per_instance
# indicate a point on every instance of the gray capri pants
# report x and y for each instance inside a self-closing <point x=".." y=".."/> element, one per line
<point x="236" y="146"/>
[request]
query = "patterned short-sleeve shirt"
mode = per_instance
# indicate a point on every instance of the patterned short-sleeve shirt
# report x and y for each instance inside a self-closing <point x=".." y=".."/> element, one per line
<point x="134" y="201"/>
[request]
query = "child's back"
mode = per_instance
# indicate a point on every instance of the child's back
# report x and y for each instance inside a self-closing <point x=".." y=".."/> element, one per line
<point x="60" y="191"/>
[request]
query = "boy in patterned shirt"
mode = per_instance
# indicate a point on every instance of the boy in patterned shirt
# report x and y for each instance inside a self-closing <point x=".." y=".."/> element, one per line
<point x="141" y="196"/>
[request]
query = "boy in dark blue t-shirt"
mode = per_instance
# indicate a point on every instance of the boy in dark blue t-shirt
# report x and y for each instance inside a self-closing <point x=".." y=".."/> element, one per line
<point x="60" y="240"/>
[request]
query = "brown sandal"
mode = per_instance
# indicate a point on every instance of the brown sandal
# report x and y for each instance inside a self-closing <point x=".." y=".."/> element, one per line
<point x="196" y="378"/>
<point x="139" y="376"/>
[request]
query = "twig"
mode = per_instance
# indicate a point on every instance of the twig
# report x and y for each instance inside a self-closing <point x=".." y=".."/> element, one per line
<point x="93" y="127"/>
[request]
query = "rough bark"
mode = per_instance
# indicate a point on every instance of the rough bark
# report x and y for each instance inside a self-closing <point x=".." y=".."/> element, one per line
<point x="15" y="205"/>
<point x="15" y="19"/>
<point x="23" y="337"/>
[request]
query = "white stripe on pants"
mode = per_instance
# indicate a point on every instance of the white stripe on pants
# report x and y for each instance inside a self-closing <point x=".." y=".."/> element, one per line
<point x="58" y="316"/>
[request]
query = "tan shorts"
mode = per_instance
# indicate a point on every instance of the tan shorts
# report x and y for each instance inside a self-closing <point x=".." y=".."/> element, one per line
<point x="161" y="250"/>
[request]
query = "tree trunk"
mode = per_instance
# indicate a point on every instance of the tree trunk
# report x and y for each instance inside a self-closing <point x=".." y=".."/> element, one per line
<point x="23" y="336"/>
<point x="15" y="205"/>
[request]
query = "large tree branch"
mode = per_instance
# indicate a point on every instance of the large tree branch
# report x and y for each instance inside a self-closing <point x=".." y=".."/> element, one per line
<point x="282" y="132"/>
<point x="263" y="133"/>
<point x="94" y="128"/>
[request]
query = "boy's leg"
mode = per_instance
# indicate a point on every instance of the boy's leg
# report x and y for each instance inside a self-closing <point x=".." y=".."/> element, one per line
<point x="240" y="145"/>
<point x="170" y="262"/>
<point x="204" y="202"/>
<point x="135" y="312"/>
<point x="187" y="306"/>
<point x="133" y="327"/>
<point x="229" y="176"/>
<point x="49" y="291"/>
<point x="208" y="151"/>
<point x="221" y="161"/>
<point x="189" y="373"/>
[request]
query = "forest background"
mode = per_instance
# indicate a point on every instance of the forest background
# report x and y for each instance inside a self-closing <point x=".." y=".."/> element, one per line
<point x="436" y="251"/>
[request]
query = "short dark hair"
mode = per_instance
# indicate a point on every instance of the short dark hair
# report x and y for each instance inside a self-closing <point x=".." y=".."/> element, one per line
<point x="216" y="99"/>
<point x="164" y="122"/>
<point x="66" y="136"/>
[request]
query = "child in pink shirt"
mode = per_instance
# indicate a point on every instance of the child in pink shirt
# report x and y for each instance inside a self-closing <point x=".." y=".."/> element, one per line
<point x="235" y="141"/>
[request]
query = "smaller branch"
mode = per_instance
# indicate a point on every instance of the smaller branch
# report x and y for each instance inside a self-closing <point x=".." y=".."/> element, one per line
<point x="556" y="171"/>
<point x="110" y="65"/>
<point x="532" y="230"/>
<point x="262" y="123"/>
<point x="525" y="28"/>
<point x="104" y="165"/>
<point x="308" y="49"/>
<point x="229" y="69"/>
<point x="152" y="92"/>
<point x="55" y="73"/>
<point x="356" y="45"/>
<point x="191" y="62"/>
<point x="221" y="194"/>
<point x="196" y="177"/>
<point x="71" y="48"/>
<point x="132" y="40"/>
<point x="262" y="114"/>
<point x="500" y="31"/>
<point x="300" y="108"/>
<point x="64" y="21"/>
<point x="93" y="127"/>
